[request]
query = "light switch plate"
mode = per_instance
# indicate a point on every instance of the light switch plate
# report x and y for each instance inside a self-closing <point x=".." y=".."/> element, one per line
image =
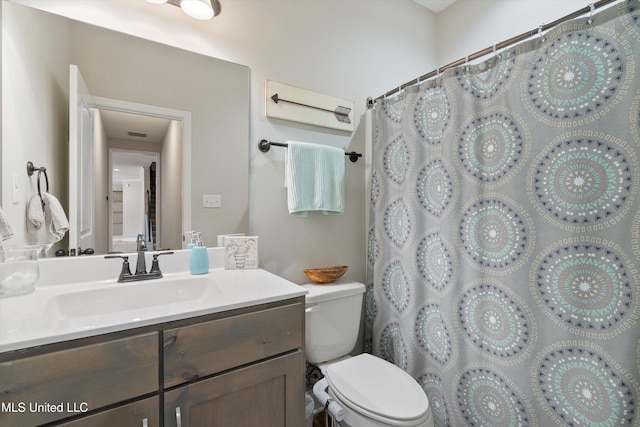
<point x="211" y="201"/>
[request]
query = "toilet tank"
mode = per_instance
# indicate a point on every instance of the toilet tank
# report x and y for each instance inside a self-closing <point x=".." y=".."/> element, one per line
<point x="332" y="319"/>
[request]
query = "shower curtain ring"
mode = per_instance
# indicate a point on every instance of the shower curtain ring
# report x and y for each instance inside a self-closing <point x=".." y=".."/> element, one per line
<point x="542" y="38"/>
<point x="592" y="7"/>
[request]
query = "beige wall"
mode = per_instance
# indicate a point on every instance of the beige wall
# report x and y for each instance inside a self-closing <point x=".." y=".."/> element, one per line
<point x="101" y="184"/>
<point x="350" y="49"/>
<point x="472" y="25"/>
<point x="43" y="144"/>
<point x="170" y="197"/>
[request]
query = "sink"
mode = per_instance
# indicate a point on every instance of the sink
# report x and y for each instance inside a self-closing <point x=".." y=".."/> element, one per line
<point x="133" y="296"/>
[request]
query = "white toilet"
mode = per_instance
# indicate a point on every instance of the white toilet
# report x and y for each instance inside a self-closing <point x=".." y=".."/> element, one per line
<point x="363" y="390"/>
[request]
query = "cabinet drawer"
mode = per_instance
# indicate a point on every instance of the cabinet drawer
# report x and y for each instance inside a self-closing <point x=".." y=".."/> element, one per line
<point x="207" y="348"/>
<point x="266" y="394"/>
<point x="53" y="386"/>
<point x="145" y="413"/>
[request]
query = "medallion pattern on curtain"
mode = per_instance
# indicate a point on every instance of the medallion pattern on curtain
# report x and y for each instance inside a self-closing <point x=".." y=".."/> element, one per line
<point x="504" y="244"/>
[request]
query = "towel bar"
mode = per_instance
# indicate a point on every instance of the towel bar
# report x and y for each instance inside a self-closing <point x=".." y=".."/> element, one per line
<point x="265" y="146"/>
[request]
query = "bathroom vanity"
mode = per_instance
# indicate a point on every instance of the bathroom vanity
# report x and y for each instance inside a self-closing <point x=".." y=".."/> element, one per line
<point x="229" y="354"/>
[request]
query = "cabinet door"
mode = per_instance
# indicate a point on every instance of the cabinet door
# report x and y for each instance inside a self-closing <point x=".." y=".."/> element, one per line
<point x="50" y="387"/>
<point x="204" y="349"/>
<point x="145" y="413"/>
<point x="266" y="394"/>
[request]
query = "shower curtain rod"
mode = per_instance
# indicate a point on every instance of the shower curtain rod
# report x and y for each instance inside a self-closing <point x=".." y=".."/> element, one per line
<point x="501" y="45"/>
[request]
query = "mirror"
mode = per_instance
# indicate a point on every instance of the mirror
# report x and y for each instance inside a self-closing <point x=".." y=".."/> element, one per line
<point x="123" y="72"/>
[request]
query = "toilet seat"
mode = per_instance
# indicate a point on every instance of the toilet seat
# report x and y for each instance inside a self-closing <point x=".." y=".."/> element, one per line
<point x="378" y="390"/>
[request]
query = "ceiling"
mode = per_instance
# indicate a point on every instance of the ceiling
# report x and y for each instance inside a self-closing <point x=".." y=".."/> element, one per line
<point x="435" y="6"/>
<point x="117" y="125"/>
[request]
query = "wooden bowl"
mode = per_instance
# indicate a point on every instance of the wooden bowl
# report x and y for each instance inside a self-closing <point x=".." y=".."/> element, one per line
<point x="326" y="274"/>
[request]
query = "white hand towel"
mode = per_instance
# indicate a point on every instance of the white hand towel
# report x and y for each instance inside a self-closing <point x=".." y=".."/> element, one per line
<point x="35" y="214"/>
<point x="314" y="177"/>
<point x="55" y="219"/>
<point x="6" y="231"/>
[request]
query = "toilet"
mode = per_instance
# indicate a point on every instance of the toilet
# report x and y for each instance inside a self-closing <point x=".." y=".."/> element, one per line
<point x="363" y="390"/>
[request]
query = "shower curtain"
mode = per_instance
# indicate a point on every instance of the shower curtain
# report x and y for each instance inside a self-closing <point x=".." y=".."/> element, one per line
<point x="504" y="237"/>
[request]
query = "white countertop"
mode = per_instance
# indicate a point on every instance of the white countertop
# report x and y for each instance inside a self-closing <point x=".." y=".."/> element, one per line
<point x="91" y="306"/>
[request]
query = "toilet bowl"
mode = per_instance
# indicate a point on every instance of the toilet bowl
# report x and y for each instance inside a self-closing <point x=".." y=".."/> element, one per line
<point x="363" y="390"/>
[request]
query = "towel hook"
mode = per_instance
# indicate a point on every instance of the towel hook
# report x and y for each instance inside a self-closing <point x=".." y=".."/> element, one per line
<point x="31" y="168"/>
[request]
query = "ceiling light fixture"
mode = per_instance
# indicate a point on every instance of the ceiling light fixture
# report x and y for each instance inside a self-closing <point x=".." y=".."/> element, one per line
<point x="198" y="9"/>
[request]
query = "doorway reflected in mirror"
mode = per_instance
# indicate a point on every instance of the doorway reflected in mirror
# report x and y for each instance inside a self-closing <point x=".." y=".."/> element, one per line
<point x="139" y="167"/>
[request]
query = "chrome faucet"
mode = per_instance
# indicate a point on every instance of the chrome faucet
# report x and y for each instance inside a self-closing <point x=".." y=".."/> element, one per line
<point x="141" y="267"/>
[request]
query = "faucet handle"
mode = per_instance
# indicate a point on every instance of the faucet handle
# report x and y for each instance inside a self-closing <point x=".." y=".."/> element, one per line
<point x="125" y="272"/>
<point x="155" y="266"/>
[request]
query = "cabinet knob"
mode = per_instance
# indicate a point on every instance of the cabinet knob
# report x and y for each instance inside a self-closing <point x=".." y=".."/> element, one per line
<point x="178" y="417"/>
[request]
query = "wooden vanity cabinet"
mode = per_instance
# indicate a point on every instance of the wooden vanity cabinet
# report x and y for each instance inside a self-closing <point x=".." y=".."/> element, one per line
<point x="143" y="413"/>
<point x="243" y="370"/>
<point x="265" y="394"/>
<point x="244" y="367"/>
<point x="43" y="388"/>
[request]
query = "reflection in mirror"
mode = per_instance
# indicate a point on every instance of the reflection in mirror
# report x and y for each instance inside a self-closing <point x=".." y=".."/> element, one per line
<point x="139" y="150"/>
<point x="116" y="66"/>
<point x="137" y="129"/>
<point x="132" y="200"/>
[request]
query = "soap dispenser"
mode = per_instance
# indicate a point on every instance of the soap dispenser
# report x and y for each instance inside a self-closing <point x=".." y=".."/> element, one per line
<point x="199" y="257"/>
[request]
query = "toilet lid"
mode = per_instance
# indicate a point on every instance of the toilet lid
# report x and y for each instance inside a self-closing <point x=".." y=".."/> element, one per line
<point x="378" y="387"/>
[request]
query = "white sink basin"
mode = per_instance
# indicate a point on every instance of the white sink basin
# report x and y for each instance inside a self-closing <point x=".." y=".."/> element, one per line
<point x="78" y="297"/>
<point x="133" y="296"/>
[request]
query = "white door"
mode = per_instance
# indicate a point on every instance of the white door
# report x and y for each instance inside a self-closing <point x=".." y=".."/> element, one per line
<point x="81" y="235"/>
